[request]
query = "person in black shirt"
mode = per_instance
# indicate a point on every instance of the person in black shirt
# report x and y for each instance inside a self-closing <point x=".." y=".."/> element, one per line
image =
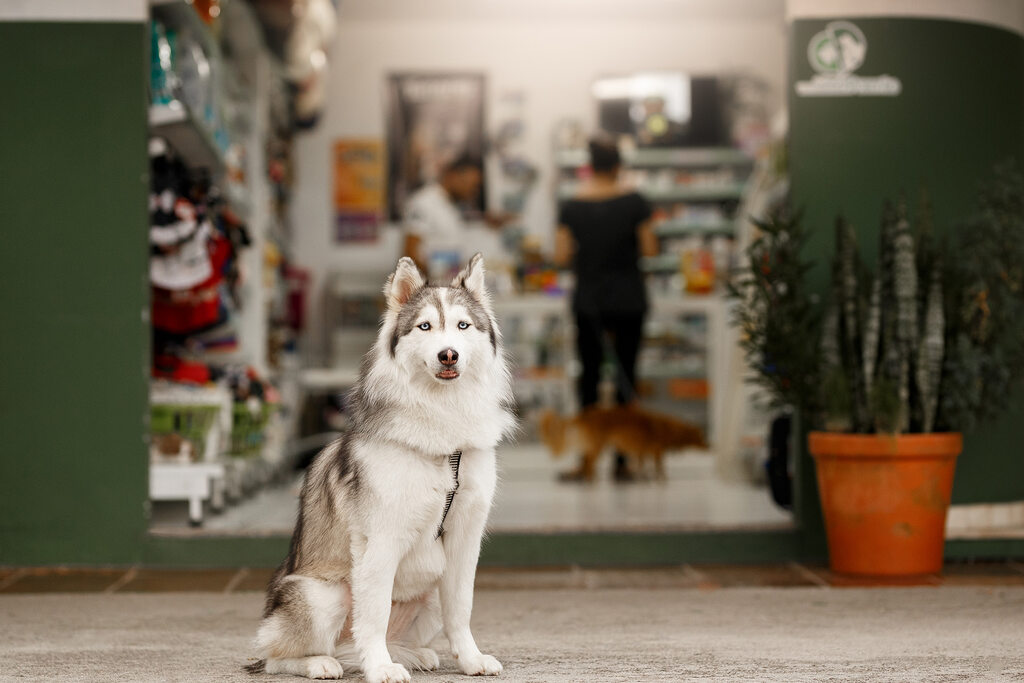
<point x="603" y="230"/>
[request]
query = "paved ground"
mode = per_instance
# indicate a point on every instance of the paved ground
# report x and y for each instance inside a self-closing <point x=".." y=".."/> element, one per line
<point x="681" y="624"/>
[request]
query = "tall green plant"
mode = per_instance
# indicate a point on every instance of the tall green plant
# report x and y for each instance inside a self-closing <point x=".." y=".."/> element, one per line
<point x="933" y="341"/>
<point x="779" y="320"/>
<point x="984" y="358"/>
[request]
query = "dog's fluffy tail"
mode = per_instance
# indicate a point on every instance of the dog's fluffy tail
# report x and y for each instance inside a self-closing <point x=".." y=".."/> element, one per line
<point x="554" y="431"/>
<point x="256" y="667"/>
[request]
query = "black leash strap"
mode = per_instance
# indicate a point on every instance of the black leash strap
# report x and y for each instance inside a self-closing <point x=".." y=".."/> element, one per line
<point x="453" y="461"/>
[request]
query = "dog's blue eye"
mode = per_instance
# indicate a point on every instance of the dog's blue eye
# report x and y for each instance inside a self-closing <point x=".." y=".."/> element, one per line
<point x="463" y="325"/>
<point x="424" y="326"/>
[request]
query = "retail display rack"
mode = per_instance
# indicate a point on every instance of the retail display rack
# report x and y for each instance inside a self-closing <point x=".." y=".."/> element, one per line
<point x="224" y="124"/>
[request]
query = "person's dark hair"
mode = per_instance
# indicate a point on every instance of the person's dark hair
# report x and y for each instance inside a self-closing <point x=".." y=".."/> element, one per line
<point x="464" y="162"/>
<point x="604" y="155"/>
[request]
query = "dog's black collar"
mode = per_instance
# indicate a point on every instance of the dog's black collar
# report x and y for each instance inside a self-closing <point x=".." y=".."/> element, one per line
<point x="453" y="461"/>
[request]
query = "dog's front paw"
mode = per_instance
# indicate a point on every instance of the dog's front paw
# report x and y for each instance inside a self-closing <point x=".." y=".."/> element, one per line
<point x="484" y="665"/>
<point x="389" y="673"/>
<point x="427" y="659"/>
<point x="321" y="667"/>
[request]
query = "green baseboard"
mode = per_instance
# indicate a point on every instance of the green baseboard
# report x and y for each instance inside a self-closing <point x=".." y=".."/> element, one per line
<point x="596" y="549"/>
<point x="985" y="549"/>
<point x="214" y="551"/>
<point x="639" y="548"/>
<point x="509" y="549"/>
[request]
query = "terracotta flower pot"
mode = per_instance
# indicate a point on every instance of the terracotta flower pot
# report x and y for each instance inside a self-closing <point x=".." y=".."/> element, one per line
<point x="885" y="500"/>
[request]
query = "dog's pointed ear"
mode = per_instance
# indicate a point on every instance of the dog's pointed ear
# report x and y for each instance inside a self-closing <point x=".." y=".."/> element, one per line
<point x="403" y="283"/>
<point x="472" y="277"/>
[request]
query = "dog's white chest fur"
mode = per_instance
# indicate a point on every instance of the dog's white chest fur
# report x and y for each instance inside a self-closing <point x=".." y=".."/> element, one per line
<point x="415" y="488"/>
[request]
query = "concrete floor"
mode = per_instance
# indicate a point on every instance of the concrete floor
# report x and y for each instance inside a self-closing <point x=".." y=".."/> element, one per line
<point x="948" y="633"/>
<point x="530" y="499"/>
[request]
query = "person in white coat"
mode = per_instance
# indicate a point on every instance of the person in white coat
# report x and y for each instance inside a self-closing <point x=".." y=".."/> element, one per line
<point x="432" y="219"/>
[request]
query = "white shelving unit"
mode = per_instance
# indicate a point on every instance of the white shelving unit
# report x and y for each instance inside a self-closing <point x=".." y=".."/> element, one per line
<point x="206" y="478"/>
<point x="522" y="319"/>
<point x="187" y="134"/>
<point x="685" y="228"/>
<point x="223" y="478"/>
<point x="645" y="157"/>
<point x="697" y="192"/>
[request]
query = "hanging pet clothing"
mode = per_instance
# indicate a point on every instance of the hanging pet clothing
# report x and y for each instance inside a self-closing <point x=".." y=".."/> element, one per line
<point x="180" y="259"/>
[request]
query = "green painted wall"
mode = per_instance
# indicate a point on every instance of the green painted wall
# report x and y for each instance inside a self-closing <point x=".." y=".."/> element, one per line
<point x="73" y="344"/>
<point x="960" y="111"/>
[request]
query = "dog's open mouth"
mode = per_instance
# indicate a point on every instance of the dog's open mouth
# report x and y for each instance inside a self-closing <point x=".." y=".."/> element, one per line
<point x="447" y="374"/>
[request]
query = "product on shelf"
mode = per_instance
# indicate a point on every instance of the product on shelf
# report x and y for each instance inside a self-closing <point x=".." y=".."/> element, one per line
<point x="193" y="264"/>
<point x="195" y="77"/>
<point x="162" y="79"/>
<point x="208" y="10"/>
<point x="699" y="270"/>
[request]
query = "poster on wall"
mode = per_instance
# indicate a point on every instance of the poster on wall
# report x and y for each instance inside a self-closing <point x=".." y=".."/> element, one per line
<point x="432" y="118"/>
<point x="358" y="189"/>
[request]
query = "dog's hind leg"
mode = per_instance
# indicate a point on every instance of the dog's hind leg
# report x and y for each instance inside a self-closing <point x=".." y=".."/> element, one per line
<point x="418" y="654"/>
<point x="301" y="626"/>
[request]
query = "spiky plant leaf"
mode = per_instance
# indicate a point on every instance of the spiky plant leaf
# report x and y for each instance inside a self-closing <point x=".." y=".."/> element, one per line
<point x="905" y="291"/>
<point x="930" y="354"/>
<point x="872" y="323"/>
<point x="845" y="290"/>
<point x="886" y="406"/>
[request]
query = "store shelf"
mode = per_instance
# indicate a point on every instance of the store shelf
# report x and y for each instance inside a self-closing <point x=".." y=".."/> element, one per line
<point x="694" y="193"/>
<point x="660" y="263"/>
<point x="689" y="157"/>
<point x="531" y="304"/>
<point x="674" y="157"/>
<point x="239" y="199"/>
<point x="542" y="375"/>
<point x="187" y="134"/>
<point x="677" y="193"/>
<point x="672" y="370"/>
<point x="329" y="379"/>
<point x="683" y="304"/>
<point x="677" y="228"/>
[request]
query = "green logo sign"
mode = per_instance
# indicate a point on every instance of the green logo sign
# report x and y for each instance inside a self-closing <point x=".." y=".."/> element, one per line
<point x="838" y="49"/>
<point x="835" y="53"/>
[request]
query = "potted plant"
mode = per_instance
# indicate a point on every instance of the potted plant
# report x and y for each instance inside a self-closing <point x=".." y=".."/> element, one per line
<point x="892" y="365"/>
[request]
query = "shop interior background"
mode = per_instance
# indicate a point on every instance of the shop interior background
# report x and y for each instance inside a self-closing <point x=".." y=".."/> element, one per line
<point x="541" y="67"/>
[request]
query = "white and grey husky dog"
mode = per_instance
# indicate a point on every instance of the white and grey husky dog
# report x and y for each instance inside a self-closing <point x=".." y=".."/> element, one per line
<point x="384" y="555"/>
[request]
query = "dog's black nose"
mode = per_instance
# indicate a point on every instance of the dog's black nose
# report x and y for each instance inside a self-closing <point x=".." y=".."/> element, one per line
<point x="448" y="357"/>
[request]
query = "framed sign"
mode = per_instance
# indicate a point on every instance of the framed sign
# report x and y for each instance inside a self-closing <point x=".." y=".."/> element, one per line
<point x="358" y="189"/>
<point x="432" y="118"/>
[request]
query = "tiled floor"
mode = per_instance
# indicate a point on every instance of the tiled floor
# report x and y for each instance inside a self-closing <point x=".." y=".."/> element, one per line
<point x="530" y="498"/>
<point x="693" y="497"/>
<point x="700" y="577"/>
